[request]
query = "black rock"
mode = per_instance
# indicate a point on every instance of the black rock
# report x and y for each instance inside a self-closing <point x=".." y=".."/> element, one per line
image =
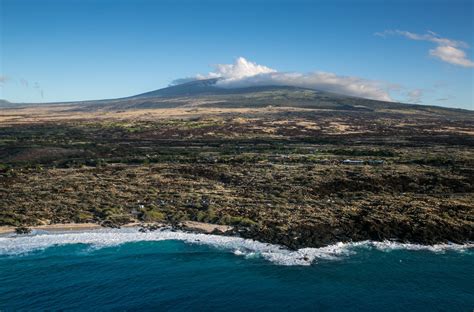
<point x="22" y="230"/>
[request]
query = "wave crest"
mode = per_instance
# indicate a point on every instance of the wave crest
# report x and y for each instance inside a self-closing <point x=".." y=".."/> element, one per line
<point x="17" y="245"/>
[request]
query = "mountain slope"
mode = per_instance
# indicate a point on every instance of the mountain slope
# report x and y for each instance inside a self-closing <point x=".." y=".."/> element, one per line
<point x="208" y="94"/>
<point x="186" y="89"/>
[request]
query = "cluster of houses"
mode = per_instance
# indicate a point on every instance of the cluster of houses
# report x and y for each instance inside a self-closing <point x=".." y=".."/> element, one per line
<point x="373" y="162"/>
<point x="285" y="158"/>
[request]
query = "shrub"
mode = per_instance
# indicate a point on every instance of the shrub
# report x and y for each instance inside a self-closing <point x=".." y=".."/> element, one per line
<point x="119" y="219"/>
<point x="104" y="213"/>
<point x="208" y="215"/>
<point x="152" y="216"/>
<point x="83" y="216"/>
<point x="238" y="221"/>
<point x="4" y="220"/>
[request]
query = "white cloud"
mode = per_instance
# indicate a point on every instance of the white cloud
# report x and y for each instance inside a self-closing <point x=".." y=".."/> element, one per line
<point x="244" y="73"/>
<point x="452" y="55"/>
<point x="447" y="50"/>
<point x="241" y="68"/>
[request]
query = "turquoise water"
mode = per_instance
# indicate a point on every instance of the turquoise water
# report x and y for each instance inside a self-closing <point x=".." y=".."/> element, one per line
<point x="131" y="271"/>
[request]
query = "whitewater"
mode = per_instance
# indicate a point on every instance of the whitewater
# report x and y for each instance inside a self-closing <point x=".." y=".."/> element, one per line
<point x="39" y="240"/>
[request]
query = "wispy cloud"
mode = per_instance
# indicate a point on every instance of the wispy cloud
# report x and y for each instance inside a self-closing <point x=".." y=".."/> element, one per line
<point x="446" y="98"/>
<point x="23" y="83"/>
<point x="39" y="89"/>
<point x="414" y="96"/>
<point x="243" y="73"/>
<point x="452" y="55"/>
<point x="447" y="50"/>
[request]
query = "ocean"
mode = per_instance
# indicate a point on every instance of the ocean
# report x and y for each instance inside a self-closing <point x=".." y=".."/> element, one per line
<point x="125" y="270"/>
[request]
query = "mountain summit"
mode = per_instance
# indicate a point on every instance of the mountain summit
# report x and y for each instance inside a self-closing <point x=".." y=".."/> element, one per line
<point x="194" y="87"/>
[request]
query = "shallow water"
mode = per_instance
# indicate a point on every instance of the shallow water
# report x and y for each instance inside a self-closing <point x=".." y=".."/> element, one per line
<point x="127" y="270"/>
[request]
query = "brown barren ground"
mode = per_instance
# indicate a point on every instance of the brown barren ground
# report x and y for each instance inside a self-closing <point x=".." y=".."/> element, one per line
<point x="278" y="174"/>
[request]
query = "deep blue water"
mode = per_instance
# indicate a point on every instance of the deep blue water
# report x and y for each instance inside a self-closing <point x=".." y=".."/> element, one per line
<point x="174" y="275"/>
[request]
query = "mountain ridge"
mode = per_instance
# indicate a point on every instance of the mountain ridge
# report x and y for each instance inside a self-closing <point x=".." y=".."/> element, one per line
<point x="208" y="94"/>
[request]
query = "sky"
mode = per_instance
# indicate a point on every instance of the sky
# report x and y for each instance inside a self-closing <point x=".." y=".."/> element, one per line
<point x="418" y="51"/>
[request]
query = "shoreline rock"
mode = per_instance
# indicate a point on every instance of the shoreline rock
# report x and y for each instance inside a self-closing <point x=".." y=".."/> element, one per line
<point x="292" y="240"/>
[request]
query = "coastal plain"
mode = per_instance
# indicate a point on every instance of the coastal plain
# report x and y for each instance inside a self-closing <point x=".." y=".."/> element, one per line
<point x="291" y="167"/>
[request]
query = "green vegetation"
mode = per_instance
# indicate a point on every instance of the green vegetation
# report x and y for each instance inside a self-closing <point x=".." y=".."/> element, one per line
<point x="152" y="216"/>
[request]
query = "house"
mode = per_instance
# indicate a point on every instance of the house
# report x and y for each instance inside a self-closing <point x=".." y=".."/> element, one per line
<point x="352" y="162"/>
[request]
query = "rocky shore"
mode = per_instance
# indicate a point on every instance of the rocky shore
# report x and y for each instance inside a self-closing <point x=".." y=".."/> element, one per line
<point x="292" y="240"/>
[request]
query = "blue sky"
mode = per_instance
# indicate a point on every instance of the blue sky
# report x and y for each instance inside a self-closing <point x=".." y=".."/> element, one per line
<point x="77" y="50"/>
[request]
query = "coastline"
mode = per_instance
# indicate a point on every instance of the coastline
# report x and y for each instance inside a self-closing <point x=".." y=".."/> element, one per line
<point x="199" y="233"/>
<point x="224" y="231"/>
<point x="193" y="226"/>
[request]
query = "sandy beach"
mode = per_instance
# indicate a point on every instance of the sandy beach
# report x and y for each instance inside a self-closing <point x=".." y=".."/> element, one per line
<point x="55" y="227"/>
<point x="64" y="227"/>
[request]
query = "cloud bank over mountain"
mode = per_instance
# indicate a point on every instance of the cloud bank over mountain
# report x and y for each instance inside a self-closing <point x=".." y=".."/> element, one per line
<point x="244" y="73"/>
<point x="242" y="68"/>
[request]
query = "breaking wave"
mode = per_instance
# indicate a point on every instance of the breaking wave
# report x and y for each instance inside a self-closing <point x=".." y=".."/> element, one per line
<point x="22" y="244"/>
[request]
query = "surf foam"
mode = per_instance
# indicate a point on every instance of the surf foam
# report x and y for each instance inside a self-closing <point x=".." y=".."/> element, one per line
<point x="20" y="244"/>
